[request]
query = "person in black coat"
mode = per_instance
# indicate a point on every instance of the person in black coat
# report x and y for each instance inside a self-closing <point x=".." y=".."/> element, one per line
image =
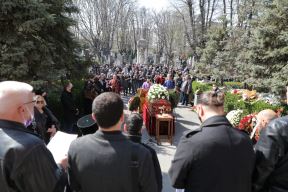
<point x="215" y="157"/>
<point x="107" y="160"/>
<point x="133" y="128"/>
<point x="102" y="83"/>
<point x="26" y="164"/>
<point x="271" y="169"/>
<point x="70" y="111"/>
<point x="45" y="123"/>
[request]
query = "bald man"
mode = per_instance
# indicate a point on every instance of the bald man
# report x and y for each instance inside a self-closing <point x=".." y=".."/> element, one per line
<point x="271" y="167"/>
<point x="264" y="117"/>
<point x="25" y="162"/>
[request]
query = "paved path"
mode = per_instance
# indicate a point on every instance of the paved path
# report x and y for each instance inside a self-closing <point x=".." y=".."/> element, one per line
<point x="186" y="120"/>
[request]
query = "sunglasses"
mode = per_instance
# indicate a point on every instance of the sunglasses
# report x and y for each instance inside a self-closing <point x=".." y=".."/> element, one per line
<point x="39" y="102"/>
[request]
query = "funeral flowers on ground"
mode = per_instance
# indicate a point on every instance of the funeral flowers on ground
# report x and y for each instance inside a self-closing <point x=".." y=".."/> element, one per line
<point x="157" y="91"/>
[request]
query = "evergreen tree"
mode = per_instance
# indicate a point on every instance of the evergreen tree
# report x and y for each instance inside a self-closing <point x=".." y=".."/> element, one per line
<point x="215" y="43"/>
<point x="35" y="41"/>
<point x="269" y="46"/>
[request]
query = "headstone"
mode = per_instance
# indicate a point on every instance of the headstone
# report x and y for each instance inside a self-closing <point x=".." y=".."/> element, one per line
<point x="142" y="46"/>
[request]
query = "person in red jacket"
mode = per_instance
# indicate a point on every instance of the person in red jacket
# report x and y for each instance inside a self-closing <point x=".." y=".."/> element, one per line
<point x="115" y="84"/>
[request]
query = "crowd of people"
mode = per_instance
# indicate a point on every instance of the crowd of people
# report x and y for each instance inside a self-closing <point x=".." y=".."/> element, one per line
<point x="128" y="79"/>
<point x="213" y="157"/>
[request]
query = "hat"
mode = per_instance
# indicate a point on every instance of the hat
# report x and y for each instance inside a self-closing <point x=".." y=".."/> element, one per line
<point x="87" y="125"/>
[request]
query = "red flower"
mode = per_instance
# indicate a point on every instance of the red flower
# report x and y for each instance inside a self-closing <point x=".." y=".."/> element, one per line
<point x="246" y="123"/>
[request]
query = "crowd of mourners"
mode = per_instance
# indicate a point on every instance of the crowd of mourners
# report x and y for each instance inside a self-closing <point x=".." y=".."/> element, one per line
<point x="128" y="79"/>
<point x="213" y="157"/>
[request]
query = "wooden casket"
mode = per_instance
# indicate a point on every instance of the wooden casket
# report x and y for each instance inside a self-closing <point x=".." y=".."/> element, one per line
<point x="151" y="109"/>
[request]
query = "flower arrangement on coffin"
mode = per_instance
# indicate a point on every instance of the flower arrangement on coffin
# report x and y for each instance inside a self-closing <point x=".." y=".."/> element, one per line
<point x="156" y="92"/>
<point x="234" y="117"/>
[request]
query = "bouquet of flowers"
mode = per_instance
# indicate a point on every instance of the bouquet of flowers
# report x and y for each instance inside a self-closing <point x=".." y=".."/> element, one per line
<point x="157" y="91"/>
<point x="249" y="95"/>
<point x="234" y="117"/>
<point x="247" y="123"/>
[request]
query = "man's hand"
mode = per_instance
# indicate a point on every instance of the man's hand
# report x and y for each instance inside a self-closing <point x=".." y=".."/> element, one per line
<point x="52" y="130"/>
<point x="64" y="162"/>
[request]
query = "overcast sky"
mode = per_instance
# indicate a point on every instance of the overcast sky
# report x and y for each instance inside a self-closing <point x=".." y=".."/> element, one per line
<point x="154" y="4"/>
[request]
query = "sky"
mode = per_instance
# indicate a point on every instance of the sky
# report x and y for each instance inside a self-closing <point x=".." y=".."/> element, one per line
<point x="154" y="4"/>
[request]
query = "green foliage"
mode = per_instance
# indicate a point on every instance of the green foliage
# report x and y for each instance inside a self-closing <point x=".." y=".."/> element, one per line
<point x="234" y="85"/>
<point x="35" y="41"/>
<point x="213" y="45"/>
<point x="54" y="96"/>
<point x="233" y="102"/>
<point x="174" y="98"/>
<point x="201" y="86"/>
<point x="54" y="101"/>
<point x="255" y="50"/>
<point x="269" y="47"/>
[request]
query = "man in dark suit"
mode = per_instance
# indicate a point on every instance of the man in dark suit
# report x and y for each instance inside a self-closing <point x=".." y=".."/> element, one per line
<point x="133" y="128"/>
<point x="108" y="161"/>
<point x="214" y="157"/>
<point x="70" y="111"/>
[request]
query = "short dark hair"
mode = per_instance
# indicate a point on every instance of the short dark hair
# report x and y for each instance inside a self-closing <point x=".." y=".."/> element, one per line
<point x="134" y="123"/>
<point x="108" y="109"/>
<point x="210" y="98"/>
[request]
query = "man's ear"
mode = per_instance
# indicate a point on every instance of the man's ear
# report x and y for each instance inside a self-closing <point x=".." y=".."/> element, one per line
<point x="93" y="116"/>
<point x="122" y="118"/>
<point x="125" y="128"/>
<point x="21" y="109"/>
<point x="200" y="111"/>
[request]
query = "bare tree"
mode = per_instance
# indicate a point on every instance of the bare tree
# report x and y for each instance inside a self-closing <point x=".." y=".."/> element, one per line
<point x="98" y="22"/>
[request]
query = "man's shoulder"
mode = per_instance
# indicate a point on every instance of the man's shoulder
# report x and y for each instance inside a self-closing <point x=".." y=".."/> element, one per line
<point x="141" y="149"/>
<point x="152" y="151"/>
<point x="277" y="125"/>
<point x="191" y="134"/>
<point x="21" y="139"/>
<point x="80" y="142"/>
<point x="22" y="144"/>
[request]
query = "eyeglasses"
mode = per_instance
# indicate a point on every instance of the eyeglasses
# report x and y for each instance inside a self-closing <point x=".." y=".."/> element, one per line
<point x="39" y="102"/>
<point x="29" y="102"/>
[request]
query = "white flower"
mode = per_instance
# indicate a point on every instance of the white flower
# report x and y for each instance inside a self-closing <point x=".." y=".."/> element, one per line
<point x="234" y="117"/>
<point x="157" y="92"/>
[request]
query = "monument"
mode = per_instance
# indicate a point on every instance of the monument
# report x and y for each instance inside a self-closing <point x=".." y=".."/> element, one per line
<point x="142" y="48"/>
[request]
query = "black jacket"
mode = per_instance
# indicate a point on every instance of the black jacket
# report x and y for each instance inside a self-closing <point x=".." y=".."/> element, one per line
<point x="43" y="121"/>
<point x="271" y="170"/>
<point x="69" y="107"/>
<point x="102" y="162"/>
<point x="213" y="158"/>
<point x="157" y="168"/>
<point x="26" y="164"/>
